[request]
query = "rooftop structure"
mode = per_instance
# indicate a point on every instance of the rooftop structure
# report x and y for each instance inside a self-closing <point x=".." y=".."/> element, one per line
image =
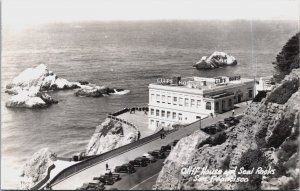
<point x="184" y="100"/>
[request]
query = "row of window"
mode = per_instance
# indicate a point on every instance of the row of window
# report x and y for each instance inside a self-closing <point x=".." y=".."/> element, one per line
<point x="186" y="102"/>
<point x="166" y="114"/>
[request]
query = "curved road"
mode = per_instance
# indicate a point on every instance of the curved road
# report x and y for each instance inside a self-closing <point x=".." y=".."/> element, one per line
<point x="139" y="179"/>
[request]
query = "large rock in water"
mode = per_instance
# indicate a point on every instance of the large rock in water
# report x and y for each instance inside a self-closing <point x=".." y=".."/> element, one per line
<point x="29" y="85"/>
<point x="31" y="98"/>
<point x="111" y="135"/>
<point x="39" y="77"/>
<point x="215" y="60"/>
<point x="93" y="91"/>
<point x="267" y="136"/>
<point x="27" y="88"/>
<point x="35" y="169"/>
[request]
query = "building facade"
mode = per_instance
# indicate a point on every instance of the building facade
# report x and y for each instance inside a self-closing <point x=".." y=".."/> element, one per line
<point x="183" y="101"/>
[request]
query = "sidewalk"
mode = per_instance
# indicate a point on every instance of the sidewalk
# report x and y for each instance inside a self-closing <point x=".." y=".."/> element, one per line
<point x="85" y="176"/>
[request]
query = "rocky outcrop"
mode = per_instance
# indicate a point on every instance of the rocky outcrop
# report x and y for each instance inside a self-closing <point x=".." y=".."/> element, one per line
<point x="215" y="60"/>
<point x="29" y="87"/>
<point x="36" y="168"/>
<point x="31" y="98"/>
<point x="109" y="135"/>
<point x="41" y="78"/>
<point x="92" y="90"/>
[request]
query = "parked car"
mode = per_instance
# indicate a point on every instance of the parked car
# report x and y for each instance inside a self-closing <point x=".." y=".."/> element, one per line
<point x="158" y="154"/>
<point x="231" y="121"/>
<point x="138" y="162"/>
<point x="150" y="157"/>
<point x="222" y="125"/>
<point x="125" y="168"/>
<point x="166" y="148"/>
<point x="210" y="129"/>
<point x="106" y="179"/>
<point x="115" y="176"/>
<point x="175" y="142"/>
<point x="144" y="159"/>
<point x="94" y="185"/>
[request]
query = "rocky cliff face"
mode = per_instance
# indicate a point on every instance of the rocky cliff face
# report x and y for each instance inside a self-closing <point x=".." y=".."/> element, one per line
<point x="267" y="136"/>
<point x="110" y="135"/>
<point x="35" y="169"/>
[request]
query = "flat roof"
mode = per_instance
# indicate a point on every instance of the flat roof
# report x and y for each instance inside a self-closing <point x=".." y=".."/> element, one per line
<point x="202" y="85"/>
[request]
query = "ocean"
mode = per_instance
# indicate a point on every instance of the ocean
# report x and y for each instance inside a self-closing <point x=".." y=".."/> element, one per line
<point x="127" y="55"/>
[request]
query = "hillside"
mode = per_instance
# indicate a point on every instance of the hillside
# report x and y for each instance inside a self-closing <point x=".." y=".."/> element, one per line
<point x="267" y="137"/>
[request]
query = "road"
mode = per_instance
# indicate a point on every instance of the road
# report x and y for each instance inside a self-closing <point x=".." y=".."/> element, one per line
<point x="137" y="179"/>
<point x="86" y="175"/>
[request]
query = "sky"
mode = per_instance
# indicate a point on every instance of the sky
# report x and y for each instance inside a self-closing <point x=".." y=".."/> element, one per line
<point x="30" y="12"/>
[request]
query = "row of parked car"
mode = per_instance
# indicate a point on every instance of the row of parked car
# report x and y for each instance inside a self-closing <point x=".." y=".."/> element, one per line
<point x="110" y="178"/>
<point x="221" y="125"/>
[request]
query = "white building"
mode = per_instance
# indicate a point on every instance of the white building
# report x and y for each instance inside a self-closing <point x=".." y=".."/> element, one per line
<point x="183" y="101"/>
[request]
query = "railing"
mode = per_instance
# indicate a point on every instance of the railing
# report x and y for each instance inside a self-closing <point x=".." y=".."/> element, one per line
<point x="102" y="157"/>
<point x="78" y="167"/>
<point x="129" y="109"/>
<point x="44" y="180"/>
<point x="121" y="120"/>
<point x="64" y="158"/>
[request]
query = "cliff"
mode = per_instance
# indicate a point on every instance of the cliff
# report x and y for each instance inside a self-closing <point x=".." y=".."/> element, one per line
<point x="35" y="169"/>
<point x="288" y="58"/>
<point x="110" y="135"/>
<point x="267" y="136"/>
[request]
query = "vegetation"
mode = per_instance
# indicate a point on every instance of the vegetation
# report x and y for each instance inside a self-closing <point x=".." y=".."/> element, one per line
<point x="252" y="159"/>
<point x="288" y="58"/>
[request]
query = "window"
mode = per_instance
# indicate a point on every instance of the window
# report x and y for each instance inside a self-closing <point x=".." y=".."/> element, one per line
<point x="250" y="92"/>
<point x="169" y="99"/>
<point x="163" y="113"/>
<point x="152" y="112"/>
<point x="152" y="97"/>
<point x="174" y="100"/>
<point x="163" y="99"/>
<point x="192" y="103"/>
<point x="151" y="122"/>
<point x="157" y="123"/>
<point x="157" y="98"/>
<point x="174" y="115"/>
<point x="198" y="103"/>
<point x="163" y="124"/>
<point x="186" y="102"/>
<point x="180" y="116"/>
<point x="180" y="101"/>
<point x="168" y="114"/>
<point x="157" y="112"/>
<point x="208" y="106"/>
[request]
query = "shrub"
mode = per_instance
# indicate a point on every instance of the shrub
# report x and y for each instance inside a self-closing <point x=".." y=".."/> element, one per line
<point x="249" y="160"/>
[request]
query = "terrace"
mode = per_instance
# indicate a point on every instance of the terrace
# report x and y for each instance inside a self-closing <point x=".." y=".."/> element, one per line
<point x="140" y="120"/>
